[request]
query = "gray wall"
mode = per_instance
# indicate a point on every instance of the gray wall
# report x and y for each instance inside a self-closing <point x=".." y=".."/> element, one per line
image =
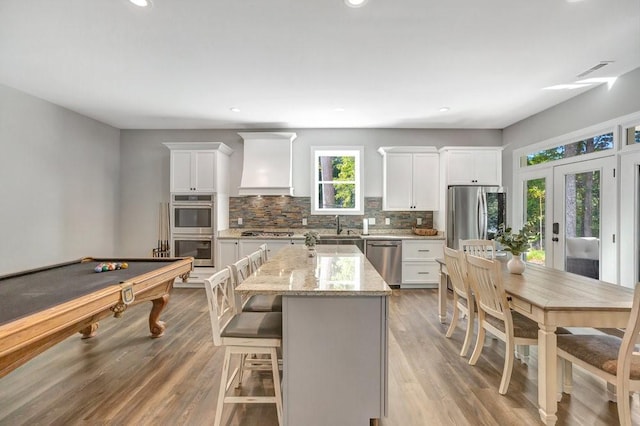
<point x="595" y="106"/>
<point x="145" y="167"/>
<point x="59" y="176"/>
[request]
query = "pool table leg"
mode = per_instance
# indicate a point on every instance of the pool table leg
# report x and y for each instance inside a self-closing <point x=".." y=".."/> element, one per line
<point x="155" y="325"/>
<point x="89" y="331"/>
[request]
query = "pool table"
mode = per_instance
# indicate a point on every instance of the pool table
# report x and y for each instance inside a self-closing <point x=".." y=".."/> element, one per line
<point x="42" y="307"/>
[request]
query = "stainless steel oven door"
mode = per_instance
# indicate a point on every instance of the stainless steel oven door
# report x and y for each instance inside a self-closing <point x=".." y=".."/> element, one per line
<point x="192" y="218"/>
<point x="199" y="247"/>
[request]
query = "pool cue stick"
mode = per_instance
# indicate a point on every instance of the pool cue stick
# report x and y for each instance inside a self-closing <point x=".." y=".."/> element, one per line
<point x="159" y="230"/>
<point x="167" y="230"/>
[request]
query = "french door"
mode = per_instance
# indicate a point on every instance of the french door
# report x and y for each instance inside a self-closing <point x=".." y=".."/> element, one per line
<point x="584" y="218"/>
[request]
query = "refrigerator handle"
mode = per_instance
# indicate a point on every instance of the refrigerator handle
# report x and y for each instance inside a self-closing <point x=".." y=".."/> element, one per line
<point x="479" y="213"/>
<point x="483" y="219"/>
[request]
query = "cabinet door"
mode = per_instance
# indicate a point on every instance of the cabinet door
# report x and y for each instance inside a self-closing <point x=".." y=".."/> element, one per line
<point x="181" y="171"/>
<point x="426" y="182"/>
<point x="488" y="167"/>
<point x="397" y="185"/>
<point x="227" y="253"/>
<point x="246" y="247"/>
<point x="461" y="168"/>
<point x="203" y="171"/>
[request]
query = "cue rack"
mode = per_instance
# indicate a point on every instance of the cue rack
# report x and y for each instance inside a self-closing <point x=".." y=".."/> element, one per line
<point x="163" y="249"/>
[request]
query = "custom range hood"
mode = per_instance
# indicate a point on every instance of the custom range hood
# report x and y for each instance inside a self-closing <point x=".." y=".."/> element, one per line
<point x="267" y="163"/>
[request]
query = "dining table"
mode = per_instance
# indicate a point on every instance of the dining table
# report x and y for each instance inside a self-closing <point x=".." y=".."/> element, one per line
<point x="335" y="314"/>
<point x="555" y="298"/>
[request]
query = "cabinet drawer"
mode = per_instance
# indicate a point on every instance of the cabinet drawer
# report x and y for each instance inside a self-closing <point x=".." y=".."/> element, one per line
<point x="419" y="250"/>
<point x="420" y="272"/>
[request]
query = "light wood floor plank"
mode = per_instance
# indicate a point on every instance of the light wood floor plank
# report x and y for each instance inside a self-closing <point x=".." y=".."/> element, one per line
<point x="123" y="377"/>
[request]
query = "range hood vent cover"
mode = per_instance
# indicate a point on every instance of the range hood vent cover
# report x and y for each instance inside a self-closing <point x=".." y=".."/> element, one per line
<point x="267" y="168"/>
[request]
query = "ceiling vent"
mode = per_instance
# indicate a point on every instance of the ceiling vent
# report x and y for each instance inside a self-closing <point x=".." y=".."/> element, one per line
<point x="595" y="68"/>
<point x="267" y="164"/>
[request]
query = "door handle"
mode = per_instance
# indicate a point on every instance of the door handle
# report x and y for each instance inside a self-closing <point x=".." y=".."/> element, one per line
<point x="555" y="239"/>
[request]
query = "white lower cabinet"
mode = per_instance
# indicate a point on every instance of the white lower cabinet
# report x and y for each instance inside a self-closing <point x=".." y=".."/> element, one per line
<point x="419" y="266"/>
<point x="246" y="247"/>
<point x="227" y="253"/>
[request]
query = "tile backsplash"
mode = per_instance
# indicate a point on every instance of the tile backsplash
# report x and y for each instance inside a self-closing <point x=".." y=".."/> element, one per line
<point x="287" y="212"/>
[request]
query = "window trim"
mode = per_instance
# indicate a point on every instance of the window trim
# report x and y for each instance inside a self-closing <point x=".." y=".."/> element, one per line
<point x="358" y="152"/>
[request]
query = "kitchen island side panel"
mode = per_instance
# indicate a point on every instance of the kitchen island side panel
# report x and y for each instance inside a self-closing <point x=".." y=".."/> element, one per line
<point x="335" y="352"/>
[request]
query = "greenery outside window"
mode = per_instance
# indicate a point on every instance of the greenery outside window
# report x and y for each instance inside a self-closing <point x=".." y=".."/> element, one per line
<point x="337" y="180"/>
<point x="597" y="143"/>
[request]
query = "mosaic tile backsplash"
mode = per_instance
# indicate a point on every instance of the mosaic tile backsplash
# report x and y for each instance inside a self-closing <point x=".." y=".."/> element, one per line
<point x="288" y="212"/>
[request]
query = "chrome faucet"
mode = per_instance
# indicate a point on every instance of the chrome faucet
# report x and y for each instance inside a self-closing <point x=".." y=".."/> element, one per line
<point x="338" y="227"/>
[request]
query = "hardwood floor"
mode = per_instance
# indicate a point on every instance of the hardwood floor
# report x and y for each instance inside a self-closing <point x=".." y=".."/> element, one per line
<point x="123" y="377"/>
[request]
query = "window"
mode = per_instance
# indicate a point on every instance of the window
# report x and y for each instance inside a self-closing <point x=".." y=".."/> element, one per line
<point x="337" y="177"/>
<point x="597" y="143"/>
<point x="632" y="135"/>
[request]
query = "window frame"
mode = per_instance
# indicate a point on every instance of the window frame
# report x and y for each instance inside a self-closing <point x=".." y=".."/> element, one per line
<point x="337" y="151"/>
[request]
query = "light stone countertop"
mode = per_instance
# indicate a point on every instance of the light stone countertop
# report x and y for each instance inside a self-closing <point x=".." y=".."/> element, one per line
<point x="298" y="234"/>
<point x="334" y="271"/>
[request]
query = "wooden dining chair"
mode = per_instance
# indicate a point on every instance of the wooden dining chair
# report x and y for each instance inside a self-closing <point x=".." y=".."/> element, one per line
<point x="480" y="248"/>
<point x="265" y="252"/>
<point x="495" y="315"/>
<point x="240" y="271"/>
<point x="463" y="301"/>
<point x="611" y="358"/>
<point x="255" y="260"/>
<point x="243" y="334"/>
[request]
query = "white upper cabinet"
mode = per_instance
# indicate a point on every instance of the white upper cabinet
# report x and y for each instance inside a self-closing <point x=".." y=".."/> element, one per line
<point x="410" y="178"/>
<point x="473" y="166"/>
<point x="199" y="167"/>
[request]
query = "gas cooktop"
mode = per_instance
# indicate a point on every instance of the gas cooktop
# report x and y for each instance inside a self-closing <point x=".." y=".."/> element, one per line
<point x="260" y="233"/>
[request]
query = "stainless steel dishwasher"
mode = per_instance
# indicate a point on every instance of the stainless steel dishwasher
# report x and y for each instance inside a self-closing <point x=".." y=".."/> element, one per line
<point x="386" y="257"/>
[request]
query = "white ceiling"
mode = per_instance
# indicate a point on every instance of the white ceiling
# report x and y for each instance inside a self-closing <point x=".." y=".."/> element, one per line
<point x="291" y="63"/>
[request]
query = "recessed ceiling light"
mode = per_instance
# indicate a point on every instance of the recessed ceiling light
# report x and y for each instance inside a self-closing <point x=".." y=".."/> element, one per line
<point x="141" y="3"/>
<point x="355" y="3"/>
<point x="234" y="109"/>
<point x="566" y="86"/>
<point x="339" y="109"/>
<point x="444" y="109"/>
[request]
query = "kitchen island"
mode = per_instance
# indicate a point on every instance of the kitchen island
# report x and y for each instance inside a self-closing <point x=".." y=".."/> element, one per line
<point x="335" y="334"/>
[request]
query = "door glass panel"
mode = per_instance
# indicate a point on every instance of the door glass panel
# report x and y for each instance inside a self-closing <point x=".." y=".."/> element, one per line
<point x="535" y="207"/>
<point x="582" y="223"/>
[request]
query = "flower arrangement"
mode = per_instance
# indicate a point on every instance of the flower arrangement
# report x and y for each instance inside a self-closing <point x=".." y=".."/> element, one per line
<point x="311" y="238"/>
<point x="519" y="242"/>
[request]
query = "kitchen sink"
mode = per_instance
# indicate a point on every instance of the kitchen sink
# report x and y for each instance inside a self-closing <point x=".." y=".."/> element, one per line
<point x="342" y="240"/>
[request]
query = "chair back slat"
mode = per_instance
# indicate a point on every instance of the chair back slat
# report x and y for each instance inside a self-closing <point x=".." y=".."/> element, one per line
<point x="455" y="261"/>
<point x="240" y="271"/>
<point x="485" y="279"/>
<point x="221" y="303"/>
<point x="255" y="260"/>
<point x="265" y="252"/>
<point x="480" y="248"/>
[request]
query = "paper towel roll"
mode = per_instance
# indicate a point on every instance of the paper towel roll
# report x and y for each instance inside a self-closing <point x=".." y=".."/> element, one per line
<point x="365" y="226"/>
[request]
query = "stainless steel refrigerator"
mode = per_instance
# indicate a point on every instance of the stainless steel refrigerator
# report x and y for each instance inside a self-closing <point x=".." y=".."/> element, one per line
<point x="474" y="212"/>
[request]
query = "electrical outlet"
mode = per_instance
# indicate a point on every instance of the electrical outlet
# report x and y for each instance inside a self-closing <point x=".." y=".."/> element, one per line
<point x="304" y="221"/>
<point x="372" y="221"/>
<point x="239" y="221"/>
<point x="419" y="221"/>
<point x="387" y="221"/>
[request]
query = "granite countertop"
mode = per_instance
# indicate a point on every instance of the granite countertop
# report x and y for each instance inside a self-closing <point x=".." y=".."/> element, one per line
<point x="298" y="234"/>
<point x="334" y="271"/>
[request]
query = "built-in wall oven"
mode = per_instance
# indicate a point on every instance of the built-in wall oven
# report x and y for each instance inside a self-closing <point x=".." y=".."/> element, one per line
<point x="192" y="214"/>
<point x="200" y="247"/>
<point x="192" y="227"/>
